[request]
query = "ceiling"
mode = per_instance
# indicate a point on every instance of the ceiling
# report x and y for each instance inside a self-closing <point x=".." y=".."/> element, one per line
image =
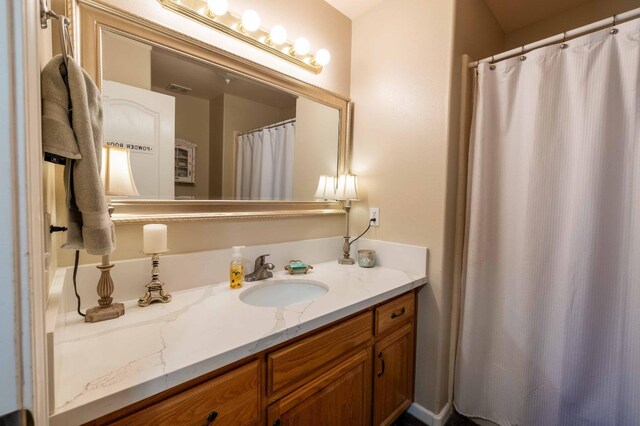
<point x="207" y="81"/>
<point x="511" y="14"/>
<point x="516" y="14"/>
<point x="353" y="8"/>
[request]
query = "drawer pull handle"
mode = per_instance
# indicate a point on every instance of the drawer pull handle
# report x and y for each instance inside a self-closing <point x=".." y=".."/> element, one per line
<point x="381" y="360"/>
<point x="396" y="315"/>
<point x="276" y="422"/>
<point x="211" y="417"/>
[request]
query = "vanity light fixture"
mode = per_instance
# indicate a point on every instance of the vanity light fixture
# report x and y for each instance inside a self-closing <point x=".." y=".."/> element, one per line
<point x="301" y="47"/>
<point x="117" y="180"/>
<point x="216" y="14"/>
<point x="277" y="35"/>
<point x="218" y="7"/>
<point x="347" y="191"/>
<point x="250" y="21"/>
<point x="322" y="57"/>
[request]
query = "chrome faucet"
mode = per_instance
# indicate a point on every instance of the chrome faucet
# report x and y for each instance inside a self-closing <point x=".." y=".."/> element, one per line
<point x="261" y="271"/>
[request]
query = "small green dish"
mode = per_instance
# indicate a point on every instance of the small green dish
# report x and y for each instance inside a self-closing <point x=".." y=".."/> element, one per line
<point x="297" y="267"/>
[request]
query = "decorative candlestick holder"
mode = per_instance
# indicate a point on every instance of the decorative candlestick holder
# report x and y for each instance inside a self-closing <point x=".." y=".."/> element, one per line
<point x="155" y="291"/>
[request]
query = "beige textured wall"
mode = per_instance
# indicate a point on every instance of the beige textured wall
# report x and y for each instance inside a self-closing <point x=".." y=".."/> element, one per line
<point x="240" y="115"/>
<point x="126" y="61"/>
<point x="192" y="124"/>
<point x="325" y="27"/>
<point x="216" y="133"/>
<point x="406" y="138"/>
<point x="584" y="14"/>
<point x="316" y="146"/>
<point x="477" y="32"/>
<point x="199" y="236"/>
<point x="401" y="71"/>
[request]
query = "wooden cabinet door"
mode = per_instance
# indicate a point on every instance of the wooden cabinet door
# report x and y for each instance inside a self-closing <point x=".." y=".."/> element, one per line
<point x="341" y="396"/>
<point x="393" y="375"/>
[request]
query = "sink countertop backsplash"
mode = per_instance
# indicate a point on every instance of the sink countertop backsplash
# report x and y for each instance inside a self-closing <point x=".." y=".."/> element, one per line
<point x="101" y="367"/>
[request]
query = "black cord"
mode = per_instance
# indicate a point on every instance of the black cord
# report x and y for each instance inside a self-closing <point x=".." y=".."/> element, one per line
<point x="365" y="231"/>
<point x="75" y="288"/>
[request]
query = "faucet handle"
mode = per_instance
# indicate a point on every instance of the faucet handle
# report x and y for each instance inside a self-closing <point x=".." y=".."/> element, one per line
<point x="261" y="259"/>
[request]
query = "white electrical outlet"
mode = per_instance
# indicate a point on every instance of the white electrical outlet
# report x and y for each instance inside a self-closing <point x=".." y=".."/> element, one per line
<point x="374" y="213"/>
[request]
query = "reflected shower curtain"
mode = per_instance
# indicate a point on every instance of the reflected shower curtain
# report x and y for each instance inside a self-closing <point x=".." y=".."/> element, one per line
<point x="550" y="327"/>
<point x="264" y="163"/>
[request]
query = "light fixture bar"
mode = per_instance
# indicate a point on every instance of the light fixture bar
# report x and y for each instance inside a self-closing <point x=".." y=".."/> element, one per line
<point x="231" y="24"/>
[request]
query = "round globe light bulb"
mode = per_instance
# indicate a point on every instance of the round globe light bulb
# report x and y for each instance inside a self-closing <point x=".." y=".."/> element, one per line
<point x="218" y="7"/>
<point x="301" y="46"/>
<point x="278" y="35"/>
<point x="250" y="20"/>
<point x="322" y="57"/>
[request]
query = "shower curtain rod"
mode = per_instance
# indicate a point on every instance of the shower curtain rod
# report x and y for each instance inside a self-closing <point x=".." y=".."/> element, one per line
<point x="270" y="126"/>
<point x="615" y="19"/>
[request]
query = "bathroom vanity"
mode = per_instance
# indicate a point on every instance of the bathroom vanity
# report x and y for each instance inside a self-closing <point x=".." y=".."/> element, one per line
<point x="346" y="357"/>
<point x="209" y="357"/>
<point x="357" y="370"/>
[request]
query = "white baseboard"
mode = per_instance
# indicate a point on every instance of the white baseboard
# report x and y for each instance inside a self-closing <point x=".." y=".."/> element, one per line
<point x="426" y="416"/>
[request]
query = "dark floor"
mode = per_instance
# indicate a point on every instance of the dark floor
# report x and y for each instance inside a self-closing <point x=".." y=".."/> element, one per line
<point x="407" y="419"/>
<point x="456" y="419"/>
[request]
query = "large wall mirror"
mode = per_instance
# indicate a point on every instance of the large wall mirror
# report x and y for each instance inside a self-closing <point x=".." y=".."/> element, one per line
<point x="208" y="134"/>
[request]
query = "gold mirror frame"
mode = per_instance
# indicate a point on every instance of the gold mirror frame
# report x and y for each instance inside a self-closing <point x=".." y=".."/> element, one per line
<point x="88" y="20"/>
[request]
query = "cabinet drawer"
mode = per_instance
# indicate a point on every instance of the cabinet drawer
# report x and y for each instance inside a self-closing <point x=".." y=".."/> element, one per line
<point x="304" y="360"/>
<point x="234" y="396"/>
<point x="394" y="313"/>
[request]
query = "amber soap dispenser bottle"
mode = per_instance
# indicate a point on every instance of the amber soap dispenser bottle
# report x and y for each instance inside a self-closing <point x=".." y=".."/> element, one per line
<point x="236" y="269"/>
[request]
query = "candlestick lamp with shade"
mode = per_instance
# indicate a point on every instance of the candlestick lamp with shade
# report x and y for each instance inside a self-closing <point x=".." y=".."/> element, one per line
<point x="326" y="188"/>
<point x="347" y="191"/>
<point x="155" y="243"/>
<point x="117" y="180"/>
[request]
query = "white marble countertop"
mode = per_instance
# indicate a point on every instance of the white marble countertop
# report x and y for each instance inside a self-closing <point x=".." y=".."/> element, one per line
<point x="108" y="365"/>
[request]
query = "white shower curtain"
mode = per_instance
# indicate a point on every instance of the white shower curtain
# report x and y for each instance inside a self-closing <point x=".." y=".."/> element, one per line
<point x="264" y="163"/>
<point x="550" y="328"/>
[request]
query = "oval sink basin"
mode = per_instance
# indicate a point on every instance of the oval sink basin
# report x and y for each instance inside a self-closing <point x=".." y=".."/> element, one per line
<point x="283" y="293"/>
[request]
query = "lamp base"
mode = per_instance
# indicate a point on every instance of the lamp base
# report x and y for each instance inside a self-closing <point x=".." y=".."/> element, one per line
<point x="346" y="249"/>
<point x="103" y="313"/>
<point x="105" y="310"/>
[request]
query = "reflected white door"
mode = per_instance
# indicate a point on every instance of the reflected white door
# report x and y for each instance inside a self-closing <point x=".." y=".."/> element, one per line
<point x="143" y="122"/>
